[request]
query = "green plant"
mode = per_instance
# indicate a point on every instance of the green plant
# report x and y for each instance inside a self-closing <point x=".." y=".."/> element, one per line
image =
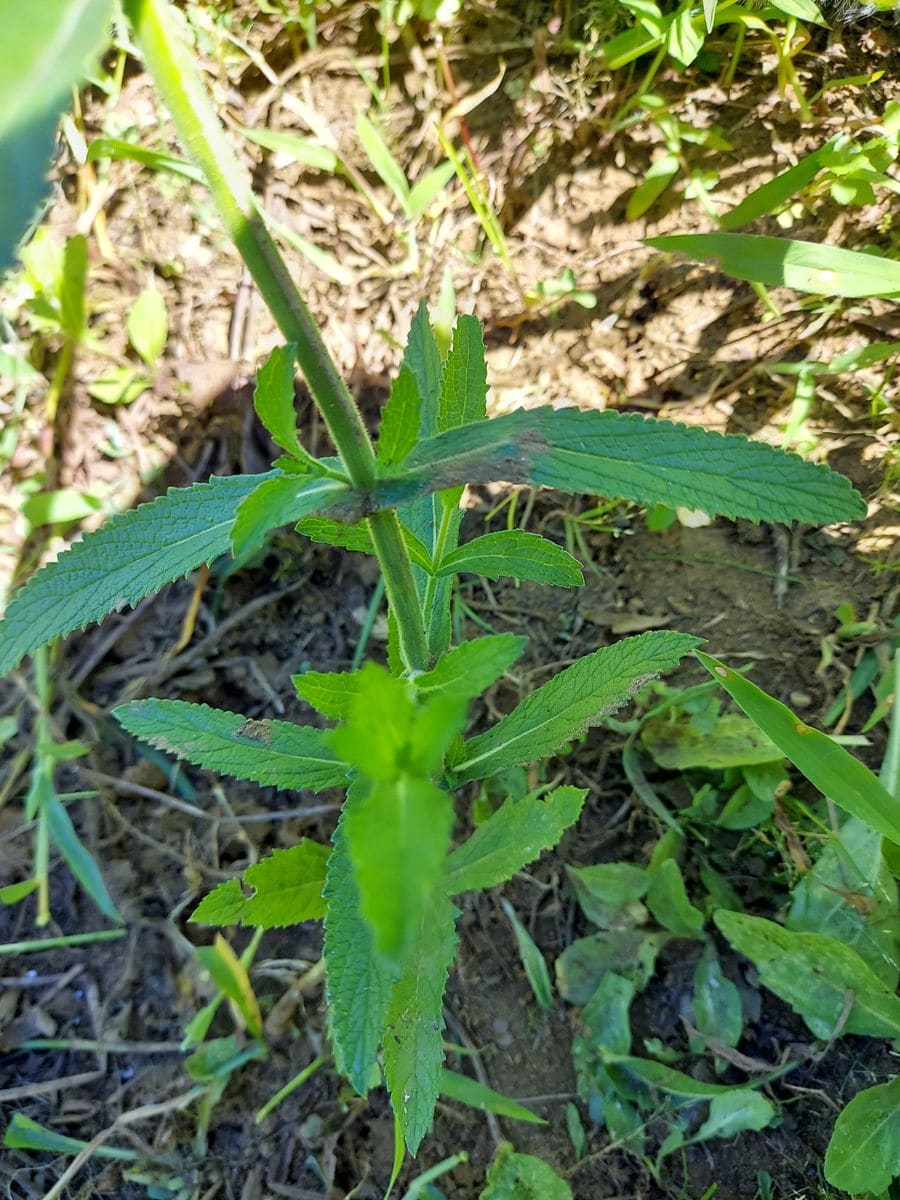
<point x="386" y="887"/>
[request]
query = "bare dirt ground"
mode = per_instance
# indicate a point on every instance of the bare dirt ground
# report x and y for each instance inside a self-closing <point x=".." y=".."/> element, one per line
<point x="666" y="338"/>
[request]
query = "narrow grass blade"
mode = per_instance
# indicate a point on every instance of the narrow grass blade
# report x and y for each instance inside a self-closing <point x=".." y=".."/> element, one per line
<point x="775" y="262"/>
<point x="826" y="765"/>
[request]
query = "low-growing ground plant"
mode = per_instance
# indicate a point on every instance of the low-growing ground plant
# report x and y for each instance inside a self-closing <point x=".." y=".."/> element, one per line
<point x="397" y="738"/>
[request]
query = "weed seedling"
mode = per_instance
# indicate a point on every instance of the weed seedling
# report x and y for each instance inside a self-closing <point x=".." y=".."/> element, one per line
<point x="397" y="737"/>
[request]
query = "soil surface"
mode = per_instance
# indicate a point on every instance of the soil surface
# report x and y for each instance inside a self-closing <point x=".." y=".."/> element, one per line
<point x="664" y="337"/>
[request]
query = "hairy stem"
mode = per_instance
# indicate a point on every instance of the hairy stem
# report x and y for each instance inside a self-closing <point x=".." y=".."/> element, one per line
<point x="169" y="62"/>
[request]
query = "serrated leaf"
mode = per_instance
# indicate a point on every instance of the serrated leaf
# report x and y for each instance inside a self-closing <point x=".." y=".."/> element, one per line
<point x="286" y="889"/>
<point x="863" y="1155"/>
<point x="571" y="702"/>
<point x="40" y="61"/>
<point x="734" y="1112"/>
<point x="477" y="1095"/>
<point x="515" y="835"/>
<point x="329" y="692"/>
<point x="423" y="358"/>
<point x="147" y="325"/>
<point x="523" y="1177"/>
<point x="282" y="501"/>
<point x="230" y="976"/>
<point x="827" y="766"/>
<point x="130" y="557"/>
<point x="775" y="261"/>
<point x="336" y="533"/>
<point x="359" y="982"/>
<point x="413" y="1040"/>
<point x="630" y="457"/>
<point x="78" y="858"/>
<point x="816" y="975"/>
<point x="273" y="399"/>
<point x="469" y="669"/>
<point x="464" y="388"/>
<point x="400" y="419"/>
<point x="667" y="899"/>
<point x="398" y="837"/>
<point x="273" y="753"/>
<point x="517" y="554"/>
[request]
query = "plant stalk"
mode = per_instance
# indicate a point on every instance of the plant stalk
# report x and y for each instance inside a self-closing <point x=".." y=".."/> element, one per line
<point x="179" y="84"/>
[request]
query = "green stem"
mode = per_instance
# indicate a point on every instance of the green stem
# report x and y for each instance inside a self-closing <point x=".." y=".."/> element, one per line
<point x="174" y="74"/>
<point x="387" y="538"/>
<point x="169" y="62"/>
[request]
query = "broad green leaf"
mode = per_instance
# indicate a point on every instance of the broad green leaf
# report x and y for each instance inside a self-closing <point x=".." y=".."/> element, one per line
<point x="273" y="753"/>
<point x="329" y="692"/>
<point x="286" y="889"/>
<point x="667" y="899"/>
<point x="850" y="895"/>
<point x="306" y="151"/>
<point x="805" y="10"/>
<point x="571" y="702"/>
<point x="709" y="14"/>
<point x="630" y="952"/>
<point x="678" y="743"/>
<point x="469" y="669"/>
<point x="401" y="419"/>
<point x="413" y="1039"/>
<point x="230" y="976"/>
<point x="815" y="975"/>
<point x="398" y="836"/>
<point x="336" y="533"/>
<point x="523" y="1177"/>
<point x="718" y="1011"/>
<point x="772" y="195"/>
<point x="130" y="557"/>
<point x="514" y="553"/>
<point x="610" y="893"/>
<point x="606" y="1021"/>
<point x="148" y="325"/>
<point x="273" y="399"/>
<point x="78" y="858"/>
<point x="121" y="385"/>
<point x="628" y="456"/>
<point x="42" y="56"/>
<point x="281" y="501"/>
<point x="359" y="982"/>
<point x="826" y="765"/>
<point x="58" y="507"/>
<point x="477" y="1095"/>
<point x="533" y="962"/>
<point x="464" y="388"/>
<point x="512" y="837"/>
<point x="389" y="734"/>
<point x="863" y="1155"/>
<point x="774" y="262"/>
<point x="684" y="40"/>
<point x="733" y="1112"/>
<point x="657" y="178"/>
